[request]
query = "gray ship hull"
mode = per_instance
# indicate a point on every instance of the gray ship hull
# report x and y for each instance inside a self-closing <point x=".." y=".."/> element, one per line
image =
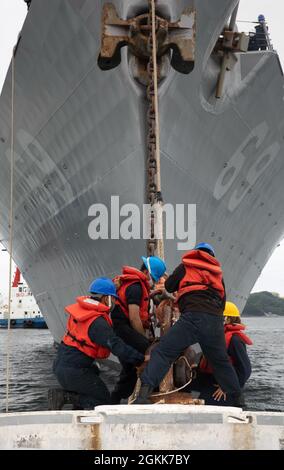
<point x="80" y="138"/>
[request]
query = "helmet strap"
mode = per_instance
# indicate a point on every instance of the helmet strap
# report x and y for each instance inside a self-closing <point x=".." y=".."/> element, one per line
<point x="148" y="265"/>
<point x="97" y="297"/>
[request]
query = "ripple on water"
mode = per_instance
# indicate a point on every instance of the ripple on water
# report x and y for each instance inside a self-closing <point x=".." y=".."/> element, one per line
<point x="32" y="355"/>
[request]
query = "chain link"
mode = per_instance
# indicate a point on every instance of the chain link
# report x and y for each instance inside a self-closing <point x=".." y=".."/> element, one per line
<point x="153" y="192"/>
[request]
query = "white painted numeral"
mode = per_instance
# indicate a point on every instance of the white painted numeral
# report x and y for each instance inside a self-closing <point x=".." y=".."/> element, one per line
<point x="236" y="163"/>
<point x="232" y="170"/>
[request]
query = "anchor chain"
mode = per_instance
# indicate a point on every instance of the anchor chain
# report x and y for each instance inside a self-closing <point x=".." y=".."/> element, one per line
<point x="152" y="41"/>
<point x="155" y="245"/>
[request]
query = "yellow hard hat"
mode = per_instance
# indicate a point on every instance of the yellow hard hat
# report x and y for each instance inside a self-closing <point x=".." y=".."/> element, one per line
<point x="231" y="310"/>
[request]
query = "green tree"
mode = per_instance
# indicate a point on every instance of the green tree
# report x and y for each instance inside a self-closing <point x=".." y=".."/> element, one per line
<point x="260" y="303"/>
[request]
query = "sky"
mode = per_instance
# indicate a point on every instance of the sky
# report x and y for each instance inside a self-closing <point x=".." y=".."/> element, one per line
<point x="13" y="13"/>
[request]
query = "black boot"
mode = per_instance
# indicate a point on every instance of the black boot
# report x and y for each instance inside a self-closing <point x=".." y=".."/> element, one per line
<point x="55" y="399"/>
<point x="115" y="398"/>
<point x="144" y="395"/>
<point x="239" y="400"/>
<point x="72" y="398"/>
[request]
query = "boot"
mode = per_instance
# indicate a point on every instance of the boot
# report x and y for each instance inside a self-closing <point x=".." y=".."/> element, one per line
<point x="72" y="398"/>
<point x="55" y="399"/>
<point x="115" y="398"/>
<point x="143" y="395"/>
<point x="239" y="400"/>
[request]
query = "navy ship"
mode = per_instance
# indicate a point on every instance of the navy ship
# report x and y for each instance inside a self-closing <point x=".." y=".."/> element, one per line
<point x="80" y="133"/>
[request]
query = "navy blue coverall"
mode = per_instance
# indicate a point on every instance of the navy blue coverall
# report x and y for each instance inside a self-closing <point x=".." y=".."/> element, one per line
<point x="197" y="324"/>
<point x="126" y="332"/>
<point x="205" y="383"/>
<point x="77" y="372"/>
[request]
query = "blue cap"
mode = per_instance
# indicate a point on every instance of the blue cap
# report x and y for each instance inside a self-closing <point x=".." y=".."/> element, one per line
<point x="155" y="266"/>
<point x="103" y="286"/>
<point x="205" y="246"/>
<point x="261" y="18"/>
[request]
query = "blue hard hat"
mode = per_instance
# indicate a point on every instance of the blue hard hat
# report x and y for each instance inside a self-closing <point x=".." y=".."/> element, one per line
<point x="205" y="246"/>
<point x="103" y="286"/>
<point x="156" y="266"/>
<point x="261" y="18"/>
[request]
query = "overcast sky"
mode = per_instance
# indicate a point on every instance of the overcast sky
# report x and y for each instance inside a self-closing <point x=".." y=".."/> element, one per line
<point x="12" y="15"/>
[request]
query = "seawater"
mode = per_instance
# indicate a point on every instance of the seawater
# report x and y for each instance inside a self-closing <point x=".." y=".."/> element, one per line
<point x="32" y="353"/>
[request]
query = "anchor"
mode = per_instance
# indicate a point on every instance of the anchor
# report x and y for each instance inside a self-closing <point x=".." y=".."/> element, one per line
<point x="177" y="38"/>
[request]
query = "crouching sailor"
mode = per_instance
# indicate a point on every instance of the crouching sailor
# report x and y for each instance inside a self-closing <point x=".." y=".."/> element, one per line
<point x="90" y="336"/>
<point x="236" y="342"/>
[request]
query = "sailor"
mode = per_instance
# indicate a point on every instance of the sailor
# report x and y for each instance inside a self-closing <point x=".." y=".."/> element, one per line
<point x="200" y="288"/>
<point x="258" y="40"/>
<point x="131" y="315"/>
<point x="236" y="342"/>
<point x="261" y="34"/>
<point x="89" y="336"/>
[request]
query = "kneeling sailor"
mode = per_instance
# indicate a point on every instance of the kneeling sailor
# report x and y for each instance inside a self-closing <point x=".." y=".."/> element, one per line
<point x="90" y="336"/>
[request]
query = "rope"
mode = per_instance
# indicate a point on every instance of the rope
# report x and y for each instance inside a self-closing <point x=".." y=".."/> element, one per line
<point x="11" y="227"/>
<point x="245" y="21"/>
<point x="180" y="388"/>
<point x="137" y="388"/>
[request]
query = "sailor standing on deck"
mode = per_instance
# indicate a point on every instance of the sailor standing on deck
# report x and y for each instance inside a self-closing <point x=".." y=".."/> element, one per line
<point x="201" y="300"/>
<point x="259" y="39"/>
<point x="89" y="336"/>
<point x="131" y="315"/>
<point x="261" y="34"/>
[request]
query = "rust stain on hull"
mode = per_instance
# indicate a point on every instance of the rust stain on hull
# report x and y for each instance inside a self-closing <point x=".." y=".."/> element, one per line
<point x="243" y="437"/>
<point x="96" y="443"/>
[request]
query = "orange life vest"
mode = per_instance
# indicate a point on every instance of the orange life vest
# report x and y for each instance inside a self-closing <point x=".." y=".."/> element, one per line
<point x="230" y="331"/>
<point x="236" y="329"/>
<point x="128" y="277"/>
<point x="82" y="314"/>
<point x="202" y="272"/>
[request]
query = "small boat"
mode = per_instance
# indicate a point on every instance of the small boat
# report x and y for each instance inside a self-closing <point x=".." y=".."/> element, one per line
<point x="25" y="312"/>
<point x="151" y="427"/>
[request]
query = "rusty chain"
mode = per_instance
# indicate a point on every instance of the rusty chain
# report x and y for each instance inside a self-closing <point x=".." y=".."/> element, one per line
<point x="150" y="39"/>
<point x="154" y="194"/>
